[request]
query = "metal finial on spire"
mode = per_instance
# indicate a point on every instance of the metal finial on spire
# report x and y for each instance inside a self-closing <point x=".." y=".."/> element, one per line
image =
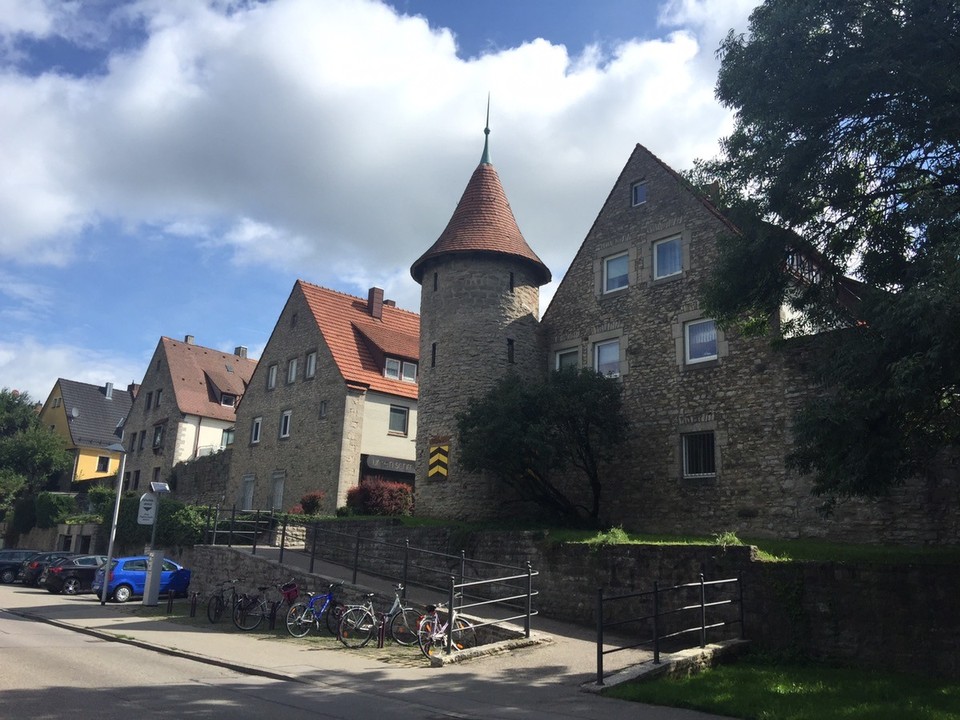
<point x="485" y="159"/>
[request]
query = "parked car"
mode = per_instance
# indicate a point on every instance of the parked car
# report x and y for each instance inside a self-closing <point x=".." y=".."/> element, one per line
<point x="10" y="561"/>
<point x="72" y="575"/>
<point x="128" y="576"/>
<point x="32" y="567"/>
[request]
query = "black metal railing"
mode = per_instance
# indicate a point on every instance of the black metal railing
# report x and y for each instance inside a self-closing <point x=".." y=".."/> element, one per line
<point x="669" y="619"/>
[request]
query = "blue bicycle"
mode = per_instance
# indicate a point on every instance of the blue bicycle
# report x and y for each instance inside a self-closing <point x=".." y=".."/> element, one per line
<point x="304" y="615"/>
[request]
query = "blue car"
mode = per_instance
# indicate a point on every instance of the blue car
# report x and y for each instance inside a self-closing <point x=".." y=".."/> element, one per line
<point x="128" y="576"/>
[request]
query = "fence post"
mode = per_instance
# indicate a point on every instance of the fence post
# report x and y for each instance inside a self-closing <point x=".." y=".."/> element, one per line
<point x="283" y="537"/>
<point x="740" y="588"/>
<point x="703" y="613"/>
<point x="356" y="558"/>
<point x="463" y="565"/>
<point x="656" y="622"/>
<point x="406" y="568"/>
<point x="206" y="526"/>
<point x="233" y="519"/>
<point x="313" y="547"/>
<point x="526" y="622"/>
<point x="450" y="614"/>
<point x="599" y="636"/>
<point x="256" y="531"/>
<point x="216" y="525"/>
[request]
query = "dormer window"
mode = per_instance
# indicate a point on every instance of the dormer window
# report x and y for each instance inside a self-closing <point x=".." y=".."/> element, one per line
<point x="228" y="400"/>
<point x="400" y="370"/>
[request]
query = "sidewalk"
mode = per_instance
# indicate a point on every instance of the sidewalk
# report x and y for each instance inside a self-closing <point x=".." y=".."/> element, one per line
<point x="544" y="678"/>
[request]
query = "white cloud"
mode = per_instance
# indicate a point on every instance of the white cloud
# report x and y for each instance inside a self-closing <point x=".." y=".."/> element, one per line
<point x="32" y="366"/>
<point x="328" y="141"/>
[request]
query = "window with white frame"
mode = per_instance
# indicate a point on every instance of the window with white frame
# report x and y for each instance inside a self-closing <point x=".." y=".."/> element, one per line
<point x="391" y="368"/>
<point x="638" y="193"/>
<point x="310" y="367"/>
<point x="699" y="459"/>
<point x="272" y="376"/>
<point x="228" y="399"/>
<point x="409" y="372"/>
<point x="277" y="494"/>
<point x="227" y="439"/>
<point x="667" y="258"/>
<point x="291" y="371"/>
<point x="616" y="272"/>
<point x="255" y="430"/>
<point x="158" y="436"/>
<point x="285" y="420"/>
<point x="399" y="417"/>
<point x="700" y="341"/>
<point x="569" y="358"/>
<point x="246" y="492"/>
<point x="606" y="358"/>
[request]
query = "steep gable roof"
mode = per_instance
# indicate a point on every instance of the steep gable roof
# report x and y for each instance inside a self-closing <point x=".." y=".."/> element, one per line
<point x="200" y="375"/>
<point x="349" y="330"/>
<point x="94" y="418"/>
<point x="483" y="223"/>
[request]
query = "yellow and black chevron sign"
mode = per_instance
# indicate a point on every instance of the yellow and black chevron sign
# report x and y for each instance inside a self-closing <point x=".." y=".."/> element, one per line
<point x="439" y="461"/>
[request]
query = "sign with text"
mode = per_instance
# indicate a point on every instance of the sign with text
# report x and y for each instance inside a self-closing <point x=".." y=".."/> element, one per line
<point x="147" y="515"/>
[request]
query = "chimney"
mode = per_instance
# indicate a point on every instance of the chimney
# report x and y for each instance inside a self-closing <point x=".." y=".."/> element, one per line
<point x="108" y="391"/>
<point x="240" y="351"/>
<point x="188" y="339"/>
<point x="390" y="303"/>
<point x="133" y="388"/>
<point x="375" y="302"/>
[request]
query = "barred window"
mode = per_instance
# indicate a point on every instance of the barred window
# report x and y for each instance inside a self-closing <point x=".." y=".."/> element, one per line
<point x="698" y="455"/>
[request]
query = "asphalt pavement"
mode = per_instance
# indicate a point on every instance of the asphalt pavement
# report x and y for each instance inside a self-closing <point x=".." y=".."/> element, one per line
<point x="549" y="676"/>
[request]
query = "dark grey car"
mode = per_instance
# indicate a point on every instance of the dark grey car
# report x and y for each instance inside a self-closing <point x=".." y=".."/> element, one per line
<point x="10" y="561"/>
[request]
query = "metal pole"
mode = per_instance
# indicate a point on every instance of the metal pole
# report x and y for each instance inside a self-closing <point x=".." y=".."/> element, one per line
<point x="740" y="587"/>
<point x="113" y="525"/>
<point x="703" y="614"/>
<point x="526" y="622"/>
<point x="656" y="622"/>
<point x="463" y="564"/>
<point x="599" y="636"/>
<point x="406" y="568"/>
<point x="283" y="538"/>
<point x="256" y="531"/>
<point x="450" y="615"/>
<point x="356" y="558"/>
<point x="233" y="518"/>
<point x="313" y="549"/>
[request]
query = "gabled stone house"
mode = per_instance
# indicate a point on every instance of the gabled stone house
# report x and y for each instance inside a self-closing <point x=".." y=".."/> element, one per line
<point x="334" y="399"/>
<point x="186" y="409"/>
<point x="710" y="413"/>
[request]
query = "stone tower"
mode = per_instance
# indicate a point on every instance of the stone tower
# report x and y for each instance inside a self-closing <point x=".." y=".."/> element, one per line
<point x="479" y="319"/>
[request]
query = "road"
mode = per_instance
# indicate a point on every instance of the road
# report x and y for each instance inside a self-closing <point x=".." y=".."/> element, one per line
<point x="52" y="672"/>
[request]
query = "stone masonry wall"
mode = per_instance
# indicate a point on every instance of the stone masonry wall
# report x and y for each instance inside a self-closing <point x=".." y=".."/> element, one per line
<point x="896" y="617"/>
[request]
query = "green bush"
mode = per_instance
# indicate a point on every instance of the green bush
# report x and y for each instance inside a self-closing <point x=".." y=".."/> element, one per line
<point x="375" y="496"/>
<point x="24" y="515"/>
<point x="53" y="508"/>
<point x="101" y="499"/>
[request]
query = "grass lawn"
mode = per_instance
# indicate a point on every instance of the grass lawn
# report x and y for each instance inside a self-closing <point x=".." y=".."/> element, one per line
<point x="760" y="689"/>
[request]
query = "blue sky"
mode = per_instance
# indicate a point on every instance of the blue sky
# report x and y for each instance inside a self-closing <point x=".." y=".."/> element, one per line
<point x="172" y="167"/>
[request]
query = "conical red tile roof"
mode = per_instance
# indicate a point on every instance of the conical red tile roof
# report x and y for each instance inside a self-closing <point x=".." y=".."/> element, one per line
<point x="483" y="223"/>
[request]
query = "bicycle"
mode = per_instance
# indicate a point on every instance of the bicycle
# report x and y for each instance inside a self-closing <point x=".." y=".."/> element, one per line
<point x="304" y="615"/>
<point x="432" y="632"/>
<point x="250" y="610"/>
<point x="359" y="622"/>
<point x="218" y="602"/>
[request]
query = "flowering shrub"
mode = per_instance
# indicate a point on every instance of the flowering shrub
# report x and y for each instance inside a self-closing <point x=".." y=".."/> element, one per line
<point x="376" y="496"/>
<point x="311" y="503"/>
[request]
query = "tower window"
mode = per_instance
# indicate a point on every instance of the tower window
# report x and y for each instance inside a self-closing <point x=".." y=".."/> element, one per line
<point x="433" y="355"/>
<point x="434" y="282"/>
<point x="510" y="350"/>
<point x="511" y="282"/>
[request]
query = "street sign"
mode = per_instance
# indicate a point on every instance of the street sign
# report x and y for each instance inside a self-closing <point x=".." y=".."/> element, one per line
<point x="147" y="514"/>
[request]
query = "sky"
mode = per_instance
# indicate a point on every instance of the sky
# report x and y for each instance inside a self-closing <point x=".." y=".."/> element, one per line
<point x="173" y="167"/>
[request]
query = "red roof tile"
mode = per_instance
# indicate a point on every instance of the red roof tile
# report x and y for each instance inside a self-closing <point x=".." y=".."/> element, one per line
<point x="198" y="372"/>
<point x="483" y="223"/>
<point x="349" y="330"/>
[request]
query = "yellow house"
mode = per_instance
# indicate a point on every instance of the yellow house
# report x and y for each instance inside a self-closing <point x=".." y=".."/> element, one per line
<point x="90" y="418"/>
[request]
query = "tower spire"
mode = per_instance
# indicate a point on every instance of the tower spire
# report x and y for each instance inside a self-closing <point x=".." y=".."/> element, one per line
<point x="485" y="159"/>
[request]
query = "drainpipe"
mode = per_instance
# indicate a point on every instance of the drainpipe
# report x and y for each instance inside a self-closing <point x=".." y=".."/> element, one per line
<point x="196" y="439"/>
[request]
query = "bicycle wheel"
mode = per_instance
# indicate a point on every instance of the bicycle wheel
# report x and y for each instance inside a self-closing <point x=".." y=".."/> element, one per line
<point x="334" y="615"/>
<point x="464" y="636"/>
<point x="403" y="626"/>
<point x="430" y="642"/>
<point x="299" y="620"/>
<point x="215" y="608"/>
<point x="356" y="627"/>
<point x="249" y="612"/>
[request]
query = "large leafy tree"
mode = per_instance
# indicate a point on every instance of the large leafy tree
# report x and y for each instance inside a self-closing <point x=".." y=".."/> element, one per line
<point x="525" y="433"/>
<point x="846" y="148"/>
<point x="30" y="455"/>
